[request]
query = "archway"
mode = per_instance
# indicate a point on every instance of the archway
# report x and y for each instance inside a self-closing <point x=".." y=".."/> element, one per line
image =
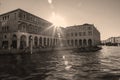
<point x="47" y="42"/>
<point x="30" y="39"/>
<point x="14" y="41"/>
<point x="68" y="42"/>
<point x="40" y="41"/>
<point x="36" y="41"/>
<point x="22" y="42"/>
<point x="5" y="43"/>
<point x="72" y="42"/>
<point x="84" y="42"/>
<point x="51" y="42"/>
<point x="76" y="41"/>
<point x="89" y="42"/>
<point x="80" y="42"/>
<point x="54" y="42"/>
<point x="44" y="41"/>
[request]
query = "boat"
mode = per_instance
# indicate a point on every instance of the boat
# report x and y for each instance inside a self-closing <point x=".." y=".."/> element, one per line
<point x="88" y="49"/>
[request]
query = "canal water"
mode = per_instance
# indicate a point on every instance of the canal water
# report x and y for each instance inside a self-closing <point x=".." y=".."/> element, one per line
<point x="62" y="65"/>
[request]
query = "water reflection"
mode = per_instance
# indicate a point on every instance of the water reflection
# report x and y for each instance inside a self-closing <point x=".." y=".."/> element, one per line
<point x="16" y="65"/>
<point x="62" y="65"/>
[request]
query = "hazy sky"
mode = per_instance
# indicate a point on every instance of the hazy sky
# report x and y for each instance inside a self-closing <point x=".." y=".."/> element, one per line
<point x="104" y="14"/>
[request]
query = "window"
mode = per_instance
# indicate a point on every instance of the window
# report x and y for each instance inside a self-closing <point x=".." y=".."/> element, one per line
<point x="84" y="33"/>
<point x="20" y="15"/>
<point x="67" y="34"/>
<point x="2" y="28"/>
<point x="89" y="33"/>
<point x="68" y="41"/>
<point x="75" y="34"/>
<point x="7" y="28"/>
<point x="28" y="17"/>
<point x="36" y="30"/>
<point x="15" y="15"/>
<point x="80" y="34"/>
<point x="89" y="28"/>
<point x="24" y="16"/>
<point x="5" y="36"/>
<point x="31" y="18"/>
<point x="71" y="34"/>
<point x="8" y="16"/>
<point x="3" y="18"/>
<point x="23" y="27"/>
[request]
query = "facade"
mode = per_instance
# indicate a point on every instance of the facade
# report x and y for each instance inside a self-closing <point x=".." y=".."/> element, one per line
<point x="85" y="35"/>
<point x="112" y="41"/>
<point x="20" y="29"/>
<point x="118" y="41"/>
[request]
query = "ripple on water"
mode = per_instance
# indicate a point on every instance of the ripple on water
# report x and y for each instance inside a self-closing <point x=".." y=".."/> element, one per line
<point x="63" y="65"/>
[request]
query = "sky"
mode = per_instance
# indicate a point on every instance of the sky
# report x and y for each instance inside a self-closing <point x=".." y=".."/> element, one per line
<point x="104" y="14"/>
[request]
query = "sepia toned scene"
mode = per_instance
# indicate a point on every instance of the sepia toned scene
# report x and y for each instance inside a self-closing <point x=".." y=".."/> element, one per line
<point x="59" y="40"/>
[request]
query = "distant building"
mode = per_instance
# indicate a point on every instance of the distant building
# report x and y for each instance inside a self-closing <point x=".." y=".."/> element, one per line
<point x="85" y="35"/>
<point x="112" y="41"/>
<point x="117" y="41"/>
<point x="18" y="28"/>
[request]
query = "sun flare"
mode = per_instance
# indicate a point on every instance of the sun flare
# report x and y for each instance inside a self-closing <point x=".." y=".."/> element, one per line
<point x="57" y="20"/>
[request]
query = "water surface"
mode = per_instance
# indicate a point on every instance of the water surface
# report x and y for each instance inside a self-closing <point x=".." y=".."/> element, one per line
<point x="62" y="65"/>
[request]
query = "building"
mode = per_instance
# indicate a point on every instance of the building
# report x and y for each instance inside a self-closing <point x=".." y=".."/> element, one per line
<point x="112" y="41"/>
<point x="20" y="29"/>
<point x="118" y="41"/>
<point x="82" y="35"/>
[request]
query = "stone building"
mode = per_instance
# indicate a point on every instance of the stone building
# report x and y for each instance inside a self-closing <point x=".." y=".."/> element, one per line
<point x="112" y="41"/>
<point x="18" y="29"/>
<point x="118" y="41"/>
<point x="82" y="35"/>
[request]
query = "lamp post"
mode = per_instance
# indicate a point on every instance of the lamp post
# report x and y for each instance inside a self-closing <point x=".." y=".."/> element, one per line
<point x="31" y="46"/>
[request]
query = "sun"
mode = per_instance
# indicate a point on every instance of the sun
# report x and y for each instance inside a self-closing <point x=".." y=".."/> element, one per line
<point x="57" y="20"/>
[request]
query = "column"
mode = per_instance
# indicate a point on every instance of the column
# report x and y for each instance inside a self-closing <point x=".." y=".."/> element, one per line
<point x="18" y="43"/>
<point x="33" y="41"/>
<point x="38" y="42"/>
<point x="27" y="41"/>
<point x="9" y="43"/>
